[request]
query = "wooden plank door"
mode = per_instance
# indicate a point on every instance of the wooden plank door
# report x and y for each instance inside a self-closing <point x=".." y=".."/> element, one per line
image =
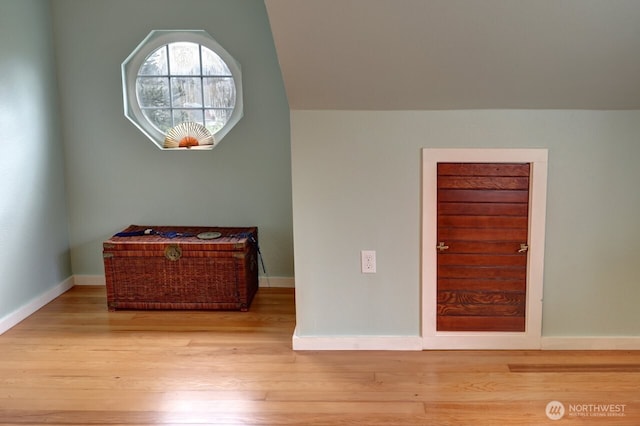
<point x="483" y="211"/>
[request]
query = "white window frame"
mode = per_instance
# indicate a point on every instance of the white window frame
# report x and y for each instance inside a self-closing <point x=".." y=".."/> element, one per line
<point x="150" y="44"/>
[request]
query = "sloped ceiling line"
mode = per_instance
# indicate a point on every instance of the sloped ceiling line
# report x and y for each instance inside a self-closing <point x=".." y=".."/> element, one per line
<point x="458" y="54"/>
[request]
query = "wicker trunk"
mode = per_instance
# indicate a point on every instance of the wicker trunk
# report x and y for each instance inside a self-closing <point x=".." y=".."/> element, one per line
<point x="166" y="267"/>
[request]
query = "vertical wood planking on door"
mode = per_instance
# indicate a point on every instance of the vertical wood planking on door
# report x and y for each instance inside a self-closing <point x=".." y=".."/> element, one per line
<point x="483" y="211"/>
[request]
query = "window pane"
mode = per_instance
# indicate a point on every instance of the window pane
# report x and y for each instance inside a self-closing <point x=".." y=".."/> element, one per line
<point x="156" y="63"/>
<point x="180" y="76"/>
<point x="212" y="64"/>
<point x="152" y="91"/>
<point x="184" y="59"/>
<point x="182" y="115"/>
<point x="186" y="92"/>
<point x="216" y="119"/>
<point x="160" y="118"/>
<point x="219" y="92"/>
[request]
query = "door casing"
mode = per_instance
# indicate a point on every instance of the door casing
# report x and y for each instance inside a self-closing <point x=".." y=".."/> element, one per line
<point x="531" y="337"/>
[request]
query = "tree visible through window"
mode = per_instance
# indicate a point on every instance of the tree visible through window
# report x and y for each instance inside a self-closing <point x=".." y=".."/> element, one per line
<point x="183" y="80"/>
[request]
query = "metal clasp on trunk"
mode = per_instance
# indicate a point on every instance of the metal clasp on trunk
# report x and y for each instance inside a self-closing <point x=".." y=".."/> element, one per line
<point x="173" y="252"/>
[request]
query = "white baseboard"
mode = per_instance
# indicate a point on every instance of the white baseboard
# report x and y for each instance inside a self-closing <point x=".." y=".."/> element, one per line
<point x="415" y="343"/>
<point x="89" y="280"/>
<point x="481" y="341"/>
<point x="10" y="320"/>
<point x="356" y="343"/>
<point x="279" y="282"/>
<point x="591" y="343"/>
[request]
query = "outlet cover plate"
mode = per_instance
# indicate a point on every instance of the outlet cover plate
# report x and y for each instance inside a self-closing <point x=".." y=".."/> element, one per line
<point x="368" y="261"/>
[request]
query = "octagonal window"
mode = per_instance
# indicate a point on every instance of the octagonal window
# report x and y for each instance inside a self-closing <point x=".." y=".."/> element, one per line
<point x="182" y="89"/>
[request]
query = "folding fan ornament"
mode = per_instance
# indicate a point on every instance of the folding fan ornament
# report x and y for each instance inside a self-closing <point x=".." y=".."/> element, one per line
<point x="187" y="135"/>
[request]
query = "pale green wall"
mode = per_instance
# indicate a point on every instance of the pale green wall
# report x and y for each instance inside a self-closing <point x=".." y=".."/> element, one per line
<point x="357" y="185"/>
<point x="34" y="253"/>
<point x="116" y="176"/>
<point x="356" y="175"/>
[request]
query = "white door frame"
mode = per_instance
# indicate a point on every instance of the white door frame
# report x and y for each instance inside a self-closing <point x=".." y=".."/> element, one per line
<point x="531" y="337"/>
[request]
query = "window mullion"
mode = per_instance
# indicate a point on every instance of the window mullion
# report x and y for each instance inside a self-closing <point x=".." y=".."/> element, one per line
<point x="173" y="123"/>
<point x="204" y="120"/>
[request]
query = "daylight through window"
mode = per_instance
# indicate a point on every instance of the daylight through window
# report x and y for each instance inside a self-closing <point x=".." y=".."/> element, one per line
<point x="179" y="77"/>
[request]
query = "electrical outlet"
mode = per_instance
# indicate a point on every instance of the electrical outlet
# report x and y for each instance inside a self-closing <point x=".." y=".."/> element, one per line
<point x="368" y="261"/>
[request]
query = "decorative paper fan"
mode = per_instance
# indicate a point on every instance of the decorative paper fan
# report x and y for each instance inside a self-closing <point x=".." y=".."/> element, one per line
<point x="187" y="135"/>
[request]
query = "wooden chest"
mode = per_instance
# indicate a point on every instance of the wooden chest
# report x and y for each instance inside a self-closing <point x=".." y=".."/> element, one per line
<point x="165" y="267"/>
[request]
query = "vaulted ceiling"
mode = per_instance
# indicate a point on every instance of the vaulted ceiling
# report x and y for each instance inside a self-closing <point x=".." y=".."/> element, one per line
<point x="458" y="54"/>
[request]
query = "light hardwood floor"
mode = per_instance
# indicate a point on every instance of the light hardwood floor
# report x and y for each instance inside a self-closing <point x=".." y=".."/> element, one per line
<point x="73" y="362"/>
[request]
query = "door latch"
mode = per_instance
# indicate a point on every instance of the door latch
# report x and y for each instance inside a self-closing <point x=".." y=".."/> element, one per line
<point x="441" y="246"/>
<point x="523" y="248"/>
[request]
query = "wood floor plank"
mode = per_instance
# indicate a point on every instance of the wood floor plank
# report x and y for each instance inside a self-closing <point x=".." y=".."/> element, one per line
<point x="574" y="368"/>
<point x="75" y="363"/>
